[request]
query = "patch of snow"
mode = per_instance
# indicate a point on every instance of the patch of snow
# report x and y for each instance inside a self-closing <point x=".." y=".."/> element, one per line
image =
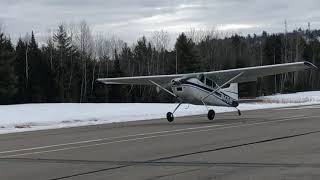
<point x="300" y="97"/>
<point x="31" y="117"/>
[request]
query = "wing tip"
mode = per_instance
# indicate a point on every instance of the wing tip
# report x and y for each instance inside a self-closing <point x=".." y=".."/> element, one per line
<point x="100" y="80"/>
<point x="310" y="65"/>
<point x="103" y="81"/>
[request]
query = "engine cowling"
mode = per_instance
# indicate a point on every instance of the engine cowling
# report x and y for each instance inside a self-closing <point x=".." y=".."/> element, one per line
<point x="176" y="82"/>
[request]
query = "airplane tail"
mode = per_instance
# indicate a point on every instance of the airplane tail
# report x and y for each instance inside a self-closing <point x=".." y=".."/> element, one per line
<point x="232" y="91"/>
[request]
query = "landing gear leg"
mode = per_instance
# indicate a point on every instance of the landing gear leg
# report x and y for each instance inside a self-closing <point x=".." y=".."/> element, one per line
<point x="170" y="116"/>
<point x="211" y="113"/>
<point x="239" y="112"/>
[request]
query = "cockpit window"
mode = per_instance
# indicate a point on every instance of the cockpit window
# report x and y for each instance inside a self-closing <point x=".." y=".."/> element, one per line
<point x="209" y="82"/>
<point x="214" y="85"/>
<point x="176" y="82"/>
<point x="201" y="78"/>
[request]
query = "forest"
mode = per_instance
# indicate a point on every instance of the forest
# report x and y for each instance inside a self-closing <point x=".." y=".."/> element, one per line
<point x="64" y="69"/>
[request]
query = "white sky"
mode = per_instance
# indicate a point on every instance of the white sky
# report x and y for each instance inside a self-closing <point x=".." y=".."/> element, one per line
<point x="130" y="19"/>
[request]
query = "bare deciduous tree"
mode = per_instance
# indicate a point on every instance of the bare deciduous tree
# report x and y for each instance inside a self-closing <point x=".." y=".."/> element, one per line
<point x="85" y="45"/>
<point x="160" y="40"/>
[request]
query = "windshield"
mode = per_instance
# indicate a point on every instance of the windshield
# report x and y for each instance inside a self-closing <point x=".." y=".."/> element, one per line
<point x="201" y="78"/>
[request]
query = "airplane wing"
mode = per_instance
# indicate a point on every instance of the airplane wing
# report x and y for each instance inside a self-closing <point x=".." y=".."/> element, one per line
<point x="252" y="73"/>
<point x="247" y="74"/>
<point x="141" y="80"/>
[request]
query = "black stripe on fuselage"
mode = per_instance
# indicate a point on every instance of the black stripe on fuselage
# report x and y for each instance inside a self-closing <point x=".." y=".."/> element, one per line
<point x="201" y="87"/>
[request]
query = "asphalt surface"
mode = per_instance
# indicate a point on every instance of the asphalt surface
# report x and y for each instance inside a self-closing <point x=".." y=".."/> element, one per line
<point x="265" y="144"/>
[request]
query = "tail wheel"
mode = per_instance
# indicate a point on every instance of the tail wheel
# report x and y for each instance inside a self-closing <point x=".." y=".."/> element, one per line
<point x="211" y="114"/>
<point x="170" y="117"/>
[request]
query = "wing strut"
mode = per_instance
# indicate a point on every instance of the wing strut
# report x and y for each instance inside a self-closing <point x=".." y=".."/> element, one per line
<point x="158" y="85"/>
<point x="223" y="85"/>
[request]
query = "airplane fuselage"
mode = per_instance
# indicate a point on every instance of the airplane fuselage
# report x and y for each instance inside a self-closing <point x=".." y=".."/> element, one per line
<point x="193" y="91"/>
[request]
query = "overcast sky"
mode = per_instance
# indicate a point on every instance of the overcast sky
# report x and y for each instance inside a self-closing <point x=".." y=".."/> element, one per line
<point x="130" y="19"/>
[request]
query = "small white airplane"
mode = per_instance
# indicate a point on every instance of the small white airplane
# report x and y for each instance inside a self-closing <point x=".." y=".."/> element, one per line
<point x="215" y="88"/>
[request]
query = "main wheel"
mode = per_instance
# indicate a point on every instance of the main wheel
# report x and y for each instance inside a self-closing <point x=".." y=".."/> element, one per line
<point x="170" y="117"/>
<point x="211" y="114"/>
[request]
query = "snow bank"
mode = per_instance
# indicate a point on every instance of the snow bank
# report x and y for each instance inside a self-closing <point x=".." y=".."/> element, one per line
<point x="30" y="117"/>
<point x="301" y="97"/>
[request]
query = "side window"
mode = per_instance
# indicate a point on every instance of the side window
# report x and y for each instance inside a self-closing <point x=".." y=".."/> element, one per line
<point x="214" y="85"/>
<point x="209" y="82"/>
<point x="201" y="78"/>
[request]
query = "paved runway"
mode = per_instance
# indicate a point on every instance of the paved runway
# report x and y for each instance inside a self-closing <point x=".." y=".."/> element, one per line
<point x="264" y="144"/>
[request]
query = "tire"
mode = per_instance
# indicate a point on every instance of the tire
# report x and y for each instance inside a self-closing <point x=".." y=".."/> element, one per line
<point x="170" y="117"/>
<point x="211" y="114"/>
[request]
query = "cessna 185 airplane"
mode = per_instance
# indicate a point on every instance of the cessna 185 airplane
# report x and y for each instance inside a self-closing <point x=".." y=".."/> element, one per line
<point x="215" y="88"/>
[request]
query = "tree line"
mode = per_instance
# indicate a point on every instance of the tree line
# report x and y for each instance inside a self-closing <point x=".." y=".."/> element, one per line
<point x="65" y="68"/>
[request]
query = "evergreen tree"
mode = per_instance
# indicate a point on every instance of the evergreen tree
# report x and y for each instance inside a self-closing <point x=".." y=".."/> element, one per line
<point x="63" y="71"/>
<point x="126" y="57"/>
<point x="116" y="67"/>
<point x="187" y="56"/>
<point x="38" y="73"/>
<point x="8" y="77"/>
<point x="21" y="68"/>
<point x="117" y="91"/>
<point x="140" y="59"/>
<point x="49" y="56"/>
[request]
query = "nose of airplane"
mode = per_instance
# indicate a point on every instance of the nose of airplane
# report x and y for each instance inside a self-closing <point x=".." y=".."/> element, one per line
<point x="176" y="82"/>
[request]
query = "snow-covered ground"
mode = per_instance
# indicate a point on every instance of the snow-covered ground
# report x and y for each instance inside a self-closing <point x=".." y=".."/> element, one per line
<point x="31" y="117"/>
<point x="301" y="97"/>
